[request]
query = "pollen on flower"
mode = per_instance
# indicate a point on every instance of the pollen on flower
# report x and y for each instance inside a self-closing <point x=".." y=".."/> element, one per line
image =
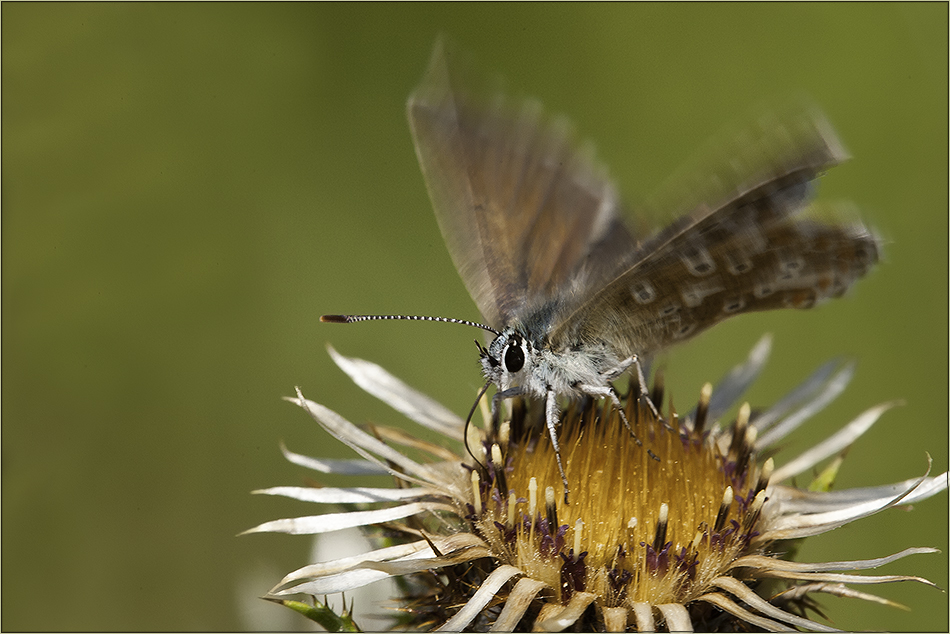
<point x="636" y="530"/>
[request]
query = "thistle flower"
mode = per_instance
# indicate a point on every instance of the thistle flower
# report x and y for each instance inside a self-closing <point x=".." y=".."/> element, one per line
<point x="698" y="540"/>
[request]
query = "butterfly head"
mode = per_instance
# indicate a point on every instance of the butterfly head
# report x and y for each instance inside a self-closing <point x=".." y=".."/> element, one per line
<point x="508" y="359"/>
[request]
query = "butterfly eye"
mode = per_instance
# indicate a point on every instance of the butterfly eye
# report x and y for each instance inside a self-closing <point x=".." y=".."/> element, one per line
<point x="514" y="357"/>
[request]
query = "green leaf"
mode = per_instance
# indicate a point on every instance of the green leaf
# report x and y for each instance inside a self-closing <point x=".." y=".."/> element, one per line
<point x="826" y="479"/>
<point x="322" y="614"/>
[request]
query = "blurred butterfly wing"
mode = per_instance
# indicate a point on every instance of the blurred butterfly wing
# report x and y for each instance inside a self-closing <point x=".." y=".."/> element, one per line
<point x="748" y="250"/>
<point x="519" y="206"/>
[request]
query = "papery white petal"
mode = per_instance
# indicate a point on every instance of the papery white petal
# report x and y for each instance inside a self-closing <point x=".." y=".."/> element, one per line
<point x="518" y="602"/>
<point x="789" y="500"/>
<point x="485" y="593"/>
<point x="837" y="589"/>
<point x="415" y="552"/>
<point x="372" y="601"/>
<point x="832" y="390"/>
<point x="326" y="465"/>
<point x="842" y="578"/>
<point x="615" y="619"/>
<point x="313" y="524"/>
<point x="643" y="615"/>
<point x="547" y="610"/>
<point x="726" y="604"/>
<point x="927" y="488"/>
<point x="750" y="598"/>
<point x="569" y="615"/>
<point x="763" y="562"/>
<point x="806" y="525"/>
<point x="333" y="495"/>
<point x="830" y="446"/>
<point x="361" y="576"/>
<point x="332" y="584"/>
<point x="677" y="618"/>
<point x="346" y="563"/>
<point x="361" y="442"/>
<point x="410" y="402"/>
<point x="409" y="566"/>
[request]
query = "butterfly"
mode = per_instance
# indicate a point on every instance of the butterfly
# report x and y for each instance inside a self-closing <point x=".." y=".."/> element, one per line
<point x="574" y="295"/>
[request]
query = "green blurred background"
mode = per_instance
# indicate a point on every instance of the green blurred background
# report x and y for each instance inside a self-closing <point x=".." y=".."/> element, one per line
<point x="187" y="187"/>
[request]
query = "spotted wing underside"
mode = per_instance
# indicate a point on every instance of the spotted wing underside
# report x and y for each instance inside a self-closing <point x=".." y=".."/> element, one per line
<point x="748" y="247"/>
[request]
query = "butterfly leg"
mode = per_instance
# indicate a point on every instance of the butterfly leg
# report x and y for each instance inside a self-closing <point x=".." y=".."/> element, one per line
<point x="611" y="393"/>
<point x="620" y="368"/>
<point x="551" y="418"/>
<point x="644" y="394"/>
<point x="503" y="395"/>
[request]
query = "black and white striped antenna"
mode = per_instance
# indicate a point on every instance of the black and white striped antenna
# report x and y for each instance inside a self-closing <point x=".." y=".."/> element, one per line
<point x="350" y="319"/>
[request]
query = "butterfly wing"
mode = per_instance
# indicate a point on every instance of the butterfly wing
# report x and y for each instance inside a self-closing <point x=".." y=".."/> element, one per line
<point x="519" y="206"/>
<point x="750" y="248"/>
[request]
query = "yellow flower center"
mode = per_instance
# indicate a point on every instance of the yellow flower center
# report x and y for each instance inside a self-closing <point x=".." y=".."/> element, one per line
<point x="635" y="529"/>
